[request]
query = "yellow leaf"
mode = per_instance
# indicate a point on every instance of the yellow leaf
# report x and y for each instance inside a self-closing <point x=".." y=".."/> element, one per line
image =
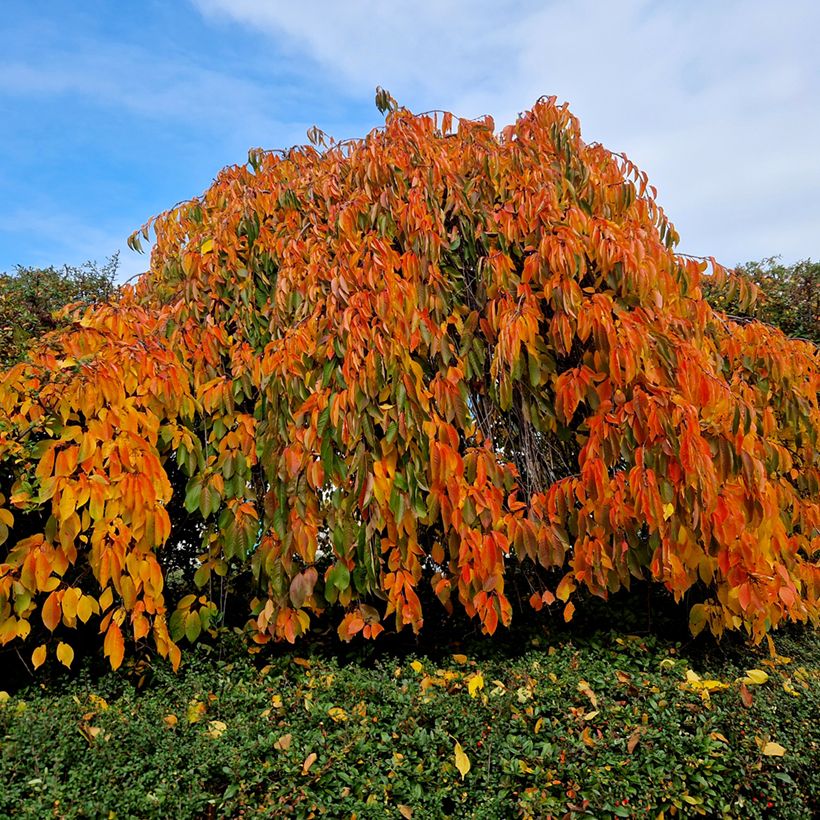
<point x="216" y="728"/>
<point x="475" y="683"/>
<point x="4" y="697"/>
<point x="207" y="246"/>
<point x="462" y="761"/>
<point x="565" y="588"/>
<point x="773" y="750"/>
<point x="71" y="597"/>
<point x="338" y="715"/>
<point x="85" y="606"/>
<point x="309" y="761"/>
<point x="416" y="666"/>
<point x="65" y="654"/>
<point x="405" y="811"/>
<point x="755" y="677"/>
<point x="538" y="724"/>
<point x="718" y="736"/>
<point x="170" y="720"/>
<point x="668" y="509"/>
<point x="196" y="710"/>
<point x="692" y="677"/>
<point x="462" y="659"/>
<point x="38" y="656"/>
<point x="591" y="715"/>
<point x="713" y="685"/>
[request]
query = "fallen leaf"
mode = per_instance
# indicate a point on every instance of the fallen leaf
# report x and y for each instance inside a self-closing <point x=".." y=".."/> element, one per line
<point x="633" y="741"/>
<point x="405" y="811"/>
<point x="718" y="736"/>
<point x="583" y="688"/>
<point x="89" y="732"/>
<point x="462" y="761"/>
<point x="416" y="666"/>
<point x="755" y="677"/>
<point x="283" y="744"/>
<point x="773" y="749"/>
<point x="475" y="683"/>
<point x="196" y="710"/>
<point x="462" y="659"/>
<point x="339" y="715"/>
<point x="789" y="689"/>
<point x="745" y="696"/>
<point x="309" y="761"/>
<point x="216" y="728"/>
<point x="170" y="720"/>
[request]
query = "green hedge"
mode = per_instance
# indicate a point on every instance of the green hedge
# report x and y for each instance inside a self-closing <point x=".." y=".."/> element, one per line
<point x="599" y="727"/>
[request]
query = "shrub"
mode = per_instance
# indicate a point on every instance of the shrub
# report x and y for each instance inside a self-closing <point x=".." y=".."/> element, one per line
<point x="788" y="296"/>
<point x="613" y="726"/>
<point x="31" y="300"/>
<point x="435" y="358"/>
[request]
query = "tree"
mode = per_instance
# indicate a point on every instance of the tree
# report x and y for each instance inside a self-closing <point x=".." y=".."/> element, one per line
<point x="32" y="298"/>
<point x="436" y="355"/>
<point x="788" y="296"/>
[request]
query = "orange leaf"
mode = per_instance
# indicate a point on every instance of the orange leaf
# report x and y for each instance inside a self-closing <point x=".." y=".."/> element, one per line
<point x="114" y="646"/>
<point x="51" y="611"/>
<point x="38" y="656"/>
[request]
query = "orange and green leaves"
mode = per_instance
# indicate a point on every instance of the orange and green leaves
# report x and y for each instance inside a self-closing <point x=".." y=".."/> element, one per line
<point x="435" y="355"/>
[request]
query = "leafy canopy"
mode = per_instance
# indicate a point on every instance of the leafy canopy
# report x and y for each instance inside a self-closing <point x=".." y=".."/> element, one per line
<point x="31" y="300"/>
<point x="438" y="356"/>
<point x="789" y="296"/>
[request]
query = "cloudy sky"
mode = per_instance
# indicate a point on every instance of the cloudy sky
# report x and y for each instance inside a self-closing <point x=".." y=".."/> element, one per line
<point x="111" y="112"/>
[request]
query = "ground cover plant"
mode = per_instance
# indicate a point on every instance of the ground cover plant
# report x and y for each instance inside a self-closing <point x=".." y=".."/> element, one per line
<point x="437" y="359"/>
<point x="546" y="724"/>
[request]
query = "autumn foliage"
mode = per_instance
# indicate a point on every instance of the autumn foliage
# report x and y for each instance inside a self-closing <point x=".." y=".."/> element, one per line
<point x="437" y="355"/>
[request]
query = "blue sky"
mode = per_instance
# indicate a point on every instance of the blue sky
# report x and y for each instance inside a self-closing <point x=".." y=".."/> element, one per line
<point x="111" y="112"/>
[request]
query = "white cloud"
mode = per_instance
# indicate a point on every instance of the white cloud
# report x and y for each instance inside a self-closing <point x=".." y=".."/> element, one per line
<point x="137" y="81"/>
<point x="70" y="240"/>
<point x="719" y="102"/>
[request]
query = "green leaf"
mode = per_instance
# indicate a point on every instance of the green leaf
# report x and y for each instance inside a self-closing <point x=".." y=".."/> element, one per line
<point x="193" y="626"/>
<point x="339" y="577"/>
<point x="193" y="495"/>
